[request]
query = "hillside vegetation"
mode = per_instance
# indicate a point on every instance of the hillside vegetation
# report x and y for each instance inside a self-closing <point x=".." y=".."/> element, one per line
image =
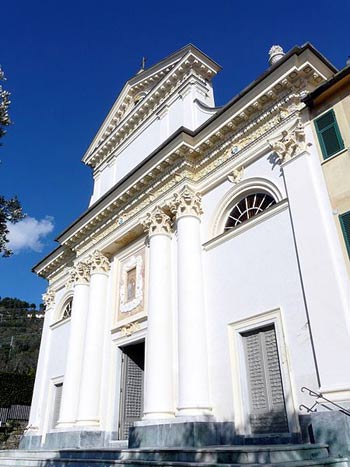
<point x="20" y="334"/>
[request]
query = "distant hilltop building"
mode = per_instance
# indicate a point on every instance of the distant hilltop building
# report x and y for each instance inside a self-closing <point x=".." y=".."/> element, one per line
<point x="207" y="284"/>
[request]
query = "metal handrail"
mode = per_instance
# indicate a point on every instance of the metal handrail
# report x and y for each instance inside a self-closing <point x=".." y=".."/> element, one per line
<point x="321" y="402"/>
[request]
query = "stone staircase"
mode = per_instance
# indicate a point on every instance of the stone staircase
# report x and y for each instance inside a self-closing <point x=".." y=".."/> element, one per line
<point x="302" y="455"/>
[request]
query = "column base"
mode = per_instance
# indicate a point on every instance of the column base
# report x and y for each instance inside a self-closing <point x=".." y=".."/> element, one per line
<point x="158" y="416"/>
<point x="194" y="412"/>
<point x="88" y="422"/>
<point x="179" y="433"/>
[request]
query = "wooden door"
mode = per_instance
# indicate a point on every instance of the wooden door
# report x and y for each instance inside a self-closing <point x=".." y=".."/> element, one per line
<point x="267" y="404"/>
<point x="131" y="388"/>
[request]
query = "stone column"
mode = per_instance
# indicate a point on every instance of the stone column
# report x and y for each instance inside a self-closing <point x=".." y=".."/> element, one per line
<point x="193" y="355"/>
<point x="41" y="380"/>
<point x="90" y="388"/>
<point x="159" y="397"/>
<point x="323" y="271"/>
<point x="75" y="354"/>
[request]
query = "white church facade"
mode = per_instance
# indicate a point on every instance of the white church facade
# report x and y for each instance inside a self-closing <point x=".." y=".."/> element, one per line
<point x="206" y="283"/>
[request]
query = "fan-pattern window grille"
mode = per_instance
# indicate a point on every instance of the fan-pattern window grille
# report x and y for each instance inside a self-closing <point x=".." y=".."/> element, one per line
<point x="67" y="309"/>
<point x="248" y="207"/>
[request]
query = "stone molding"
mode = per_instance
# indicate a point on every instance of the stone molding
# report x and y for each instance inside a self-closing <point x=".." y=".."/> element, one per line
<point x="130" y="329"/>
<point x="290" y="142"/>
<point x="49" y="299"/>
<point x="195" y="163"/>
<point x="186" y="203"/>
<point x="157" y="222"/>
<point x="98" y="262"/>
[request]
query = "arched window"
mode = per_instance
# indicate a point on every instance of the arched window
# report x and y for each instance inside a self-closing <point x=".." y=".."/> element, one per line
<point x="66" y="311"/>
<point x="248" y="207"/>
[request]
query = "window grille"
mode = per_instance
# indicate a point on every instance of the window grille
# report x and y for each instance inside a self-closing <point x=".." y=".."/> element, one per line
<point x="67" y="309"/>
<point x="248" y="207"/>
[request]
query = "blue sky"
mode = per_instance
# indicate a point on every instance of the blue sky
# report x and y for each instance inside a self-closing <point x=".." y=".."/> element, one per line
<point x="65" y="63"/>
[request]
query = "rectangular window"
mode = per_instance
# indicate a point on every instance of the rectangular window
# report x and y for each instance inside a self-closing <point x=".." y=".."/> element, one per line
<point x="57" y="403"/>
<point x="345" y="225"/>
<point x="328" y="134"/>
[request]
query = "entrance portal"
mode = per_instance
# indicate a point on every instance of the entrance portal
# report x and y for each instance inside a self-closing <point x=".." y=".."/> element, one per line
<point x="131" y="387"/>
<point x="267" y="405"/>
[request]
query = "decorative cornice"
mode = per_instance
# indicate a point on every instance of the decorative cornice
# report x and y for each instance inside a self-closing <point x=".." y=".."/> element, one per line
<point x="120" y="128"/>
<point x="49" y="299"/>
<point x="156" y="222"/>
<point x="186" y="203"/>
<point x="194" y="162"/>
<point x="98" y="262"/>
<point x="290" y="142"/>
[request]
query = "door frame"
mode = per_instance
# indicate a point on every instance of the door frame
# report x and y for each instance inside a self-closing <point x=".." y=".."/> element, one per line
<point x="241" y="400"/>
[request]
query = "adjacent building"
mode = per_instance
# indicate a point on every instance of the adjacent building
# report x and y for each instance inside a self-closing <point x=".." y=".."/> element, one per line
<point x="208" y="281"/>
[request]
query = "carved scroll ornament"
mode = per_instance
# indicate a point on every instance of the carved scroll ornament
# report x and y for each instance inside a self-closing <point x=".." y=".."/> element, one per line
<point x="186" y="203"/>
<point x="290" y="143"/>
<point x="156" y="222"/>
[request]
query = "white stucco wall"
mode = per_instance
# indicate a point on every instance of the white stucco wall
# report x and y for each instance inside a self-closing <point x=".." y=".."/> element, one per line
<point x="178" y="110"/>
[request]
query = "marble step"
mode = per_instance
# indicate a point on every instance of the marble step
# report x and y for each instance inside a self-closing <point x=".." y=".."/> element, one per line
<point x="221" y="456"/>
<point x="40" y="462"/>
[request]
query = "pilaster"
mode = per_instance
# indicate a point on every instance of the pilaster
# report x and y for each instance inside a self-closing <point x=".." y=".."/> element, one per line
<point x="325" y="281"/>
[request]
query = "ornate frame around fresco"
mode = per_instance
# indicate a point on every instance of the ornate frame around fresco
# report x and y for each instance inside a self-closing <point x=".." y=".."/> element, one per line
<point x="125" y="307"/>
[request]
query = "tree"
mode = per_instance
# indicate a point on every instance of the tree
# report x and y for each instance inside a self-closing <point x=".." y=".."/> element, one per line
<point x="10" y="209"/>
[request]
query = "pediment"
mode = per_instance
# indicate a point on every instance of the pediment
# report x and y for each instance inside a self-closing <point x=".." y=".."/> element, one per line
<point x="136" y="90"/>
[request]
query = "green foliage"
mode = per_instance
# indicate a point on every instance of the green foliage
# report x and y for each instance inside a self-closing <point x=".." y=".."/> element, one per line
<point x="10" y="209"/>
<point x="16" y="389"/>
<point x="20" y="335"/>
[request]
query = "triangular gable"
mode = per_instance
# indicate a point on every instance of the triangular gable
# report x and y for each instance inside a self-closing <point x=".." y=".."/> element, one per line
<point x="138" y="87"/>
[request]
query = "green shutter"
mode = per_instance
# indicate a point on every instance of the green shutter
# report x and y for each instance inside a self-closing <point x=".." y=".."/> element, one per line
<point x="345" y="225"/>
<point x="328" y="134"/>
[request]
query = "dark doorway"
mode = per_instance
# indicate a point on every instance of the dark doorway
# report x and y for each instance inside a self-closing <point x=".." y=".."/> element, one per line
<point x="131" y="387"/>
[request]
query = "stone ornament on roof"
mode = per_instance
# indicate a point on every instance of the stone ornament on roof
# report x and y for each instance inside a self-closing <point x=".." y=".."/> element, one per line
<point x="186" y="203"/>
<point x="49" y="299"/>
<point x="290" y="142"/>
<point x="156" y="222"/>
<point x="275" y="54"/>
<point x="98" y="262"/>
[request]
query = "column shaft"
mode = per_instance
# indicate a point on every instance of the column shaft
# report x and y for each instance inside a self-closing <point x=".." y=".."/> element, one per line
<point x="75" y="355"/>
<point x="159" y="397"/>
<point x="194" y="397"/>
<point x="90" y="389"/>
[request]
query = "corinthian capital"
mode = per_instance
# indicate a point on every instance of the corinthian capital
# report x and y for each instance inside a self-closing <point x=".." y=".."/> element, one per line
<point x="186" y="203"/>
<point x="48" y="298"/>
<point x="156" y="222"/>
<point x="98" y="262"/>
<point x="81" y="273"/>
<point x="290" y="142"/>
